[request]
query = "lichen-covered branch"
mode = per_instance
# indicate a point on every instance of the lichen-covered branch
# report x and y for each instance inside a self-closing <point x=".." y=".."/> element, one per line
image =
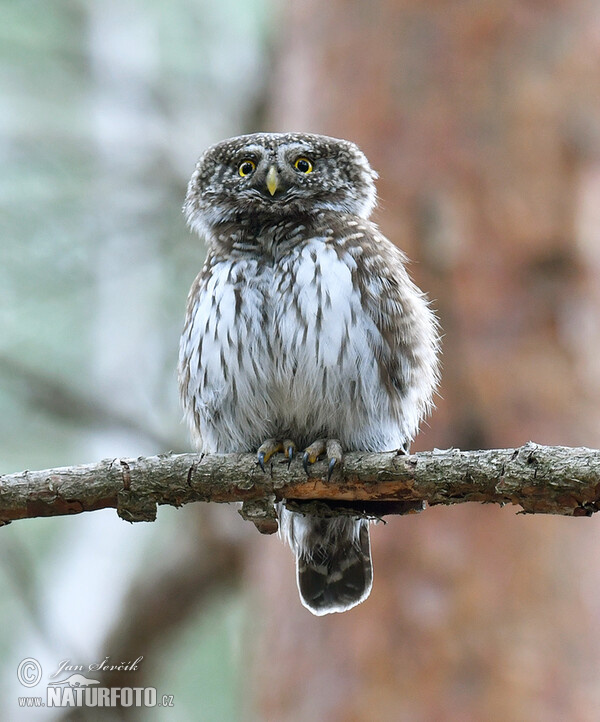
<point x="540" y="479"/>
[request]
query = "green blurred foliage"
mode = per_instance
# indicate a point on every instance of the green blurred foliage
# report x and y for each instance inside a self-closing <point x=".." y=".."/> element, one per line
<point x="104" y="107"/>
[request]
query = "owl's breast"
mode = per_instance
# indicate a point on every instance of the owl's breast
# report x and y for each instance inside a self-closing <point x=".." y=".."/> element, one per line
<point x="226" y="356"/>
<point x="316" y="307"/>
<point x="323" y="368"/>
<point x="284" y="350"/>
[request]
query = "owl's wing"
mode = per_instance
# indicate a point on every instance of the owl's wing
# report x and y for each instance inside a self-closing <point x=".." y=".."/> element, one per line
<point x="406" y="338"/>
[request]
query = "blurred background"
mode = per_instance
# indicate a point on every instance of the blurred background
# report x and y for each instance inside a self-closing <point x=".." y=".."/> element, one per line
<point x="483" y="120"/>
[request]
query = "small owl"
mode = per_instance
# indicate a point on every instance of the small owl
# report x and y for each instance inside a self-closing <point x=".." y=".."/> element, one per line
<point x="303" y="332"/>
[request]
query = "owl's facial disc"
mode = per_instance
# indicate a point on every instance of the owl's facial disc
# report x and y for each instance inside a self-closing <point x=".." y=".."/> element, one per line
<point x="270" y="184"/>
<point x="275" y="176"/>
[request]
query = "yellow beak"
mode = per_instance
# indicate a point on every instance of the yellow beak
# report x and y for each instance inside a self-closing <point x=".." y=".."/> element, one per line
<point x="272" y="180"/>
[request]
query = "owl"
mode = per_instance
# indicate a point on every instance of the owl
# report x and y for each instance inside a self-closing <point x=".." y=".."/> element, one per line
<point x="304" y="333"/>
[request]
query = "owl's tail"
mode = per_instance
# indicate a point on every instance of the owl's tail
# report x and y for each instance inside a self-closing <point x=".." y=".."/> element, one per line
<point x="333" y="560"/>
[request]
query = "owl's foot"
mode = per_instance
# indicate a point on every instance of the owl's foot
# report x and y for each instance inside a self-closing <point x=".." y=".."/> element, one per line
<point x="273" y="446"/>
<point x="330" y="447"/>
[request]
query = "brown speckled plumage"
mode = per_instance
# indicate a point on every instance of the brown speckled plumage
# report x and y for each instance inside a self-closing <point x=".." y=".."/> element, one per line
<point x="303" y="325"/>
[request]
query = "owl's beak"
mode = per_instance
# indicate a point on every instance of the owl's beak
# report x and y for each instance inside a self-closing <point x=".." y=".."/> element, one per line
<point x="272" y="180"/>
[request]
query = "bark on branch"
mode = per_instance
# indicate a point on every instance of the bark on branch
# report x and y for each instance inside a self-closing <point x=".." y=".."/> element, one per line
<point x="541" y="479"/>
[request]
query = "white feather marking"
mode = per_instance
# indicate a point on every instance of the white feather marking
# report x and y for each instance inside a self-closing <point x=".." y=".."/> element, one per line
<point x="302" y="366"/>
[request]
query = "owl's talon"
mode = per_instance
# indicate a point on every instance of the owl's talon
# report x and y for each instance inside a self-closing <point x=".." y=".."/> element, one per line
<point x="261" y="461"/>
<point x="330" y="468"/>
<point x="331" y="448"/>
<point x="272" y="446"/>
<point x="266" y="451"/>
<point x="312" y="453"/>
<point x="305" y="462"/>
<point x="335" y="454"/>
<point x="289" y="449"/>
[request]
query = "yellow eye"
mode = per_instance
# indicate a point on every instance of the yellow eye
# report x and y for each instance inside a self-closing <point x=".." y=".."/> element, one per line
<point x="303" y="165"/>
<point x="246" y="167"/>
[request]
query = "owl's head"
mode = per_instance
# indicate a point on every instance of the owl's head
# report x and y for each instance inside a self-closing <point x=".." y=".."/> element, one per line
<point x="274" y="176"/>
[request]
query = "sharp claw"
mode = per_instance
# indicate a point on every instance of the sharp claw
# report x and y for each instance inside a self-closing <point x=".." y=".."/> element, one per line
<point x="290" y="454"/>
<point x="261" y="461"/>
<point x="305" y="462"/>
<point x="330" y="468"/>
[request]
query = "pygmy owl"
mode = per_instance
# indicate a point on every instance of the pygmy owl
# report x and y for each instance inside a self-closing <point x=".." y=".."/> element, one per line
<point x="303" y="331"/>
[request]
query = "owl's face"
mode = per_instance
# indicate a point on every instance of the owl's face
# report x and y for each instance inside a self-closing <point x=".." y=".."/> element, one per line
<point x="274" y="176"/>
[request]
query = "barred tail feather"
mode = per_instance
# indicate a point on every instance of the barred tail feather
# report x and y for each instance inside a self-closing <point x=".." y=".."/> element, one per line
<point x="333" y="560"/>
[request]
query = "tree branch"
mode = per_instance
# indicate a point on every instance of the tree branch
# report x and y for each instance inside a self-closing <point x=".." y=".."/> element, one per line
<point x="541" y="479"/>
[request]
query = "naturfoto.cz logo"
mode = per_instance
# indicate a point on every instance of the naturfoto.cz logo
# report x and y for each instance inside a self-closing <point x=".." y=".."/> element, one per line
<point x="78" y="690"/>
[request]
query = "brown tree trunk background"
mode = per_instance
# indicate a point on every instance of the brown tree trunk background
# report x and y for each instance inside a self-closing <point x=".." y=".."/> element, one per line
<point x="482" y="120"/>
